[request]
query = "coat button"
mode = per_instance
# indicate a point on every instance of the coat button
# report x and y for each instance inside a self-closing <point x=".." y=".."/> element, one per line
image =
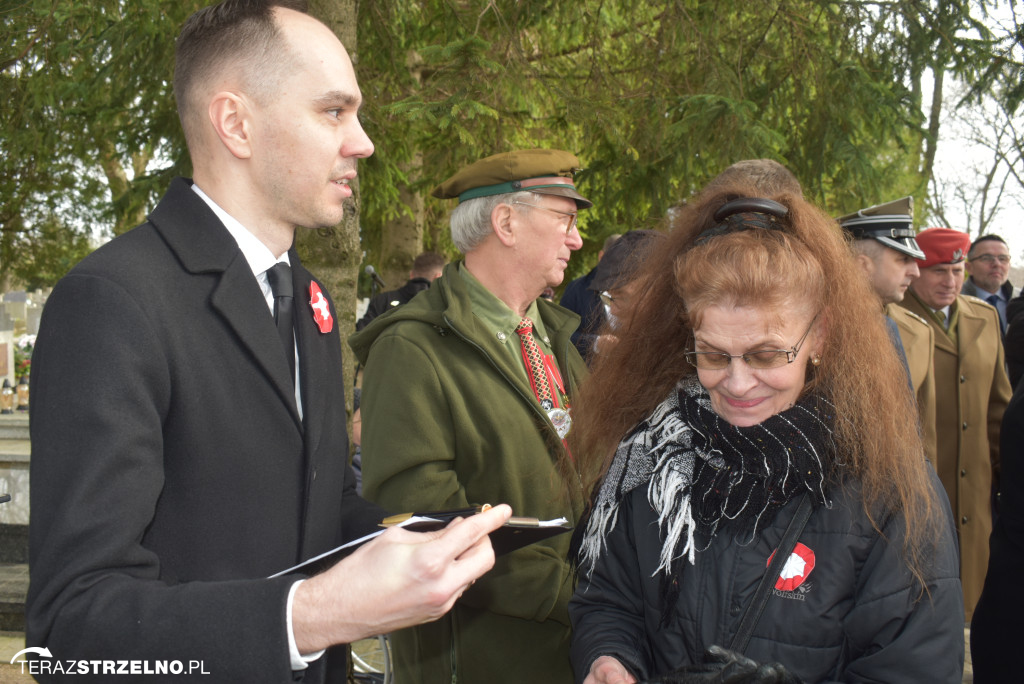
<point x="965" y="426"/>
<point x="963" y="473"/>
<point x="314" y="473"/>
<point x="501" y="337"/>
<point x="962" y="379"/>
<point x="963" y="520"/>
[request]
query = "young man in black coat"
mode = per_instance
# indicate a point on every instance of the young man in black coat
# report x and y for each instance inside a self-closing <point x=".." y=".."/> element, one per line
<point x="182" y="451"/>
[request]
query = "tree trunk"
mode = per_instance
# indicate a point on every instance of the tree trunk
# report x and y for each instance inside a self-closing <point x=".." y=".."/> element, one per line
<point x="333" y="254"/>
<point x="128" y="212"/>
<point x="934" y="119"/>
<point x="401" y="240"/>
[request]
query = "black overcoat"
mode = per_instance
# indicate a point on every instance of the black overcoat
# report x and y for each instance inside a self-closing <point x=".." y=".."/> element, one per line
<point x="995" y="629"/>
<point x="170" y="470"/>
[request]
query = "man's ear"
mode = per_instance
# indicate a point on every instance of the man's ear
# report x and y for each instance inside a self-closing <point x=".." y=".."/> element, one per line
<point x="230" y="115"/>
<point x="866" y="263"/>
<point x="501" y="224"/>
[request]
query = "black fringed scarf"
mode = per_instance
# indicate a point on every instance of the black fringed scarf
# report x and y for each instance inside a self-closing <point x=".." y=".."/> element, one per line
<point x="702" y="473"/>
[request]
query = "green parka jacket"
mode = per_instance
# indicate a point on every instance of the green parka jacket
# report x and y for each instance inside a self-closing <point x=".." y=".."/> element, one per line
<point x="449" y="421"/>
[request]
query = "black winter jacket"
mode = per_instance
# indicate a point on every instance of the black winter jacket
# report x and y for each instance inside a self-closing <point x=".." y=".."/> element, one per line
<point x="383" y="302"/>
<point x="857" y="616"/>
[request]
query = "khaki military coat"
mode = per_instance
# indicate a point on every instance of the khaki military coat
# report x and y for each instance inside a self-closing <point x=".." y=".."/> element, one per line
<point x="971" y="394"/>
<point x="919" y="347"/>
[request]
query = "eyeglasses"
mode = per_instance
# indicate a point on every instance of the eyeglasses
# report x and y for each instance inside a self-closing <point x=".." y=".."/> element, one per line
<point x="570" y="214"/>
<point x="760" y="359"/>
<point x="989" y="259"/>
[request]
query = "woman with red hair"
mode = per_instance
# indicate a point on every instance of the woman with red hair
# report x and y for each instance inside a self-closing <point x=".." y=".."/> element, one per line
<point x="756" y="380"/>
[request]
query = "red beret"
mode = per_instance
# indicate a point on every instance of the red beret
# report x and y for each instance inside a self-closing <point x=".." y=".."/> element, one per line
<point x="942" y="246"/>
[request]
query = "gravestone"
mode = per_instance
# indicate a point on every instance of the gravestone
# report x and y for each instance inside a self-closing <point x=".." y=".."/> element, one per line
<point x="32" y="317"/>
<point x="16" y="306"/>
<point x="6" y="348"/>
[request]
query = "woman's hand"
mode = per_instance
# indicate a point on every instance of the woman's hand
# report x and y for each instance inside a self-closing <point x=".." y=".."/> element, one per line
<point x="608" y="670"/>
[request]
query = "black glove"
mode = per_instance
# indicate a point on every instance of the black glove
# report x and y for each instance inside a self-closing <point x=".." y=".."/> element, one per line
<point x="722" y="666"/>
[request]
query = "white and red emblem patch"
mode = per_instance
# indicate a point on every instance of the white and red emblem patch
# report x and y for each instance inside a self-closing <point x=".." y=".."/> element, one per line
<point x="321" y="310"/>
<point x="796" y="569"/>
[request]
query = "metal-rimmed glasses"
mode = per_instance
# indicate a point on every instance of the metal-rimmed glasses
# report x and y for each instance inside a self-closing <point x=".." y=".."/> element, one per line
<point x="990" y="259"/>
<point x="759" y="359"/>
<point x="570" y="214"/>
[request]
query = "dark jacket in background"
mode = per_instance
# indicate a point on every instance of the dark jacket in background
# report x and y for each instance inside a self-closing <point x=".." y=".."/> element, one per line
<point x="996" y="627"/>
<point x="586" y="303"/>
<point x="385" y="301"/>
<point x="1013" y="341"/>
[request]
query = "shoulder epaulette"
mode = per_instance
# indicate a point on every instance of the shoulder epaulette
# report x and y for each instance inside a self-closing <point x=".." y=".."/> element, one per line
<point x="916" y="316"/>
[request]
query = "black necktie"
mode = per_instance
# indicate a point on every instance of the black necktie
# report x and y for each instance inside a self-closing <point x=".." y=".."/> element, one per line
<point x="280" y="277"/>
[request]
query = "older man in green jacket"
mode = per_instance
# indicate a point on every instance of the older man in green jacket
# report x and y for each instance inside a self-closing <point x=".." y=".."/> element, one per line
<point x="466" y="400"/>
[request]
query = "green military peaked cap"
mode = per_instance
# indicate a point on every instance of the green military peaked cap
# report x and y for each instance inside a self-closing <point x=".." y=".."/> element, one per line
<point x="545" y="172"/>
<point x="891" y="223"/>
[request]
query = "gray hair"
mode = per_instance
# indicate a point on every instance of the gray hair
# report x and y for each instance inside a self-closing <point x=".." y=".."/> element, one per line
<point x="471" y="220"/>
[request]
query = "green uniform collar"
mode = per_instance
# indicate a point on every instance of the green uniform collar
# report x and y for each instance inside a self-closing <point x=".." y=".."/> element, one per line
<point x="497" y="317"/>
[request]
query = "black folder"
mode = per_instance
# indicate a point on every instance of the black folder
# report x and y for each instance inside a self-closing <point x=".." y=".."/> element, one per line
<point x="514" y="534"/>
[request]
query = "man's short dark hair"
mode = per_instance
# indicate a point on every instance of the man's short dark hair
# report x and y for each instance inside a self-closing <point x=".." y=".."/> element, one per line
<point x="991" y="237"/>
<point x="427" y="264"/>
<point x="218" y="36"/>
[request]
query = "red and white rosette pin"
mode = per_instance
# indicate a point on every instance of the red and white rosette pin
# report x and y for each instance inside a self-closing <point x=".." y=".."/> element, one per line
<point x="796" y="569"/>
<point x="321" y="309"/>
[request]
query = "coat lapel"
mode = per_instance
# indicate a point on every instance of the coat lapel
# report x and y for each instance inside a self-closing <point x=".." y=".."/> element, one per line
<point x="203" y="245"/>
<point x="969" y="328"/>
<point x="248" y="315"/>
<point x="313" y="356"/>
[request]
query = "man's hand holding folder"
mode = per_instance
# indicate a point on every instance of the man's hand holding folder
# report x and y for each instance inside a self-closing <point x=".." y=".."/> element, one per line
<point x="516" y="533"/>
<point x="398" y="579"/>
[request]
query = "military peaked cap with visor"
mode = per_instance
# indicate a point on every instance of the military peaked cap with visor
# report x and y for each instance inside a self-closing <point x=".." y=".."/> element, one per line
<point x="545" y="172"/>
<point x="891" y="223"/>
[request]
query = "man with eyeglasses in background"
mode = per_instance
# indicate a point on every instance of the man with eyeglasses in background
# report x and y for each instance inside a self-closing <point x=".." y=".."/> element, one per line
<point x="466" y="400"/>
<point x="971" y="394"/>
<point x="988" y="270"/>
